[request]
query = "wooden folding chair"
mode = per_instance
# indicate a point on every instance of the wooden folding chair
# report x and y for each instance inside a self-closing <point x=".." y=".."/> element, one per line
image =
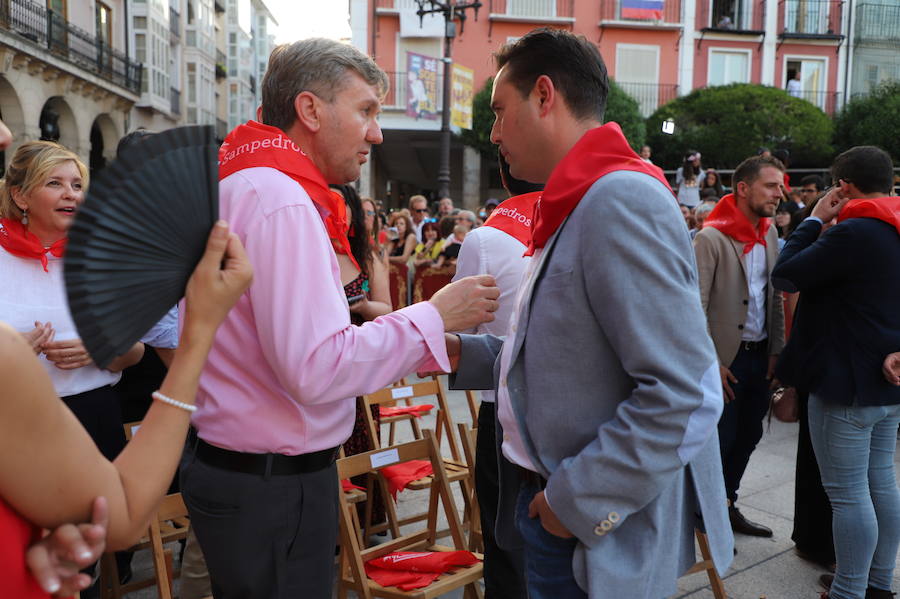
<point x="474" y="404"/>
<point x="169" y="524"/>
<point x="131" y="428"/>
<point x="353" y="555"/>
<point x="706" y="563"/>
<point x="468" y="437"/>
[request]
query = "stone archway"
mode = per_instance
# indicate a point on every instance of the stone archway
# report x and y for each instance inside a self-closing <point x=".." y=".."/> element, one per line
<point x="58" y="121"/>
<point x="104" y="138"/>
<point x="12" y="115"/>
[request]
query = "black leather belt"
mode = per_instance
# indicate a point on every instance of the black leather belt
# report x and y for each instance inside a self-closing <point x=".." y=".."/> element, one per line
<point x="754" y="345"/>
<point x="530" y="477"/>
<point x="264" y="464"/>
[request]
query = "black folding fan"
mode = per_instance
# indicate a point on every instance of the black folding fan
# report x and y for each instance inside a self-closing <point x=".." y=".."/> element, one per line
<point x="138" y="236"/>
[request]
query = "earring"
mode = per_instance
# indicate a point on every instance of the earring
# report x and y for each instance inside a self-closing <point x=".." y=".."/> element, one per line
<point x="25" y="216"/>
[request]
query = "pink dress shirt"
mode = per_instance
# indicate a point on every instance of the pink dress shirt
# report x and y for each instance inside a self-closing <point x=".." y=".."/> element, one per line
<point x="286" y="364"/>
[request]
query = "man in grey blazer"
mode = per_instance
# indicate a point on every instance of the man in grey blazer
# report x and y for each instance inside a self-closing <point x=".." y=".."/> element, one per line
<point x="607" y="384"/>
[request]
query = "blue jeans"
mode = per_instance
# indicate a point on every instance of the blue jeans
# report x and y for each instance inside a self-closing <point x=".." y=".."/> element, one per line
<point x="854" y="446"/>
<point x="548" y="558"/>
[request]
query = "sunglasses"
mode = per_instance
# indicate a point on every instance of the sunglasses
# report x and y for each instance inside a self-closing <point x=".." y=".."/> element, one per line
<point x="370" y="213"/>
<point x="421" y="210"/>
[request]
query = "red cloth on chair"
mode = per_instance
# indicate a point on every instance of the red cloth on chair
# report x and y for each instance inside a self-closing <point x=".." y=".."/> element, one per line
<point x="346" y="485"/>
<point x="416" y="410"/>
<point x="399" y="475"/>
<point x="409" y="570"/>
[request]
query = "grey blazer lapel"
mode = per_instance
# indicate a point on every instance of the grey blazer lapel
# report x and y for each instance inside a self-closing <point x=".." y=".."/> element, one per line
<point x="525" y="314"/>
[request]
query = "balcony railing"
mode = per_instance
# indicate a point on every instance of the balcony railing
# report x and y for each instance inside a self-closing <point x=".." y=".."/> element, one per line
<point x="398" y="91"/>
<point x="620" y="10"/>
<point x="52" y="31"/>
<point x="828" y="102"/>
<point x="174" y="24"/>
<point x="812" y="17"/>
<point x="649" y="96"/>
<point x="175" y="101"/>
<point x="878" y="23"/>
<point x="534" y="9"/>
<point x="732" y="16"/>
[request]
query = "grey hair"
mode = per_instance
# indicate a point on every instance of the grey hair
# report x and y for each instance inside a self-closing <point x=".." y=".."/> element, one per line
<point x="316" y="65"/>
<point x="704" y="208"/>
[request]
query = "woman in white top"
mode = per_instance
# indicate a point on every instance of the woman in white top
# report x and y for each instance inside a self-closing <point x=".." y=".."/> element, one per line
<point x="43" y="188"/>
<point x="688" y="178"/>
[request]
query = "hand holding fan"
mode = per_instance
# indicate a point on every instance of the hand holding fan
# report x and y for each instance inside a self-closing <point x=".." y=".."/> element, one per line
<point x="138" y="236"/>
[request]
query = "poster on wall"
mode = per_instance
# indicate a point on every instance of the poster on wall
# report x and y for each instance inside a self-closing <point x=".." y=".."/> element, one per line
<point x="461" y="94"/>
<point x="421" y="86"/>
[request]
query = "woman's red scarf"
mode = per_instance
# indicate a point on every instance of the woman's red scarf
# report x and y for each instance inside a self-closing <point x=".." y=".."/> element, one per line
<point x="599" y="152"/>
<point x="727" y="218"/>
<point x="886" y="209"/>
<point x="514" y="215"/>
<point x="15" y="239"/>
<point x="254" y="145"/>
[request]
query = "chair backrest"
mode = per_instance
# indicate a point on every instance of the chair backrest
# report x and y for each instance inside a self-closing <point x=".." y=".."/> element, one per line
<point x="172" y="508"/>
<point x="468" y="437"/>
<point x="373" y="461"/>
<point x="429" y="280"/>
<point x="131" y="428"/>
<point x="398" y="281"/>
<point x="409" y="393"/>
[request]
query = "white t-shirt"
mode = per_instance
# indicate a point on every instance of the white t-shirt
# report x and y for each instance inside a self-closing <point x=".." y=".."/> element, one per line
<point x="29" y="294"/>
<point x="490" y="251"/>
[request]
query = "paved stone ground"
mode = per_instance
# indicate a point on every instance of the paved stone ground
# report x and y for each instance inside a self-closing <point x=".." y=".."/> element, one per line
<point x="763" y="568"/>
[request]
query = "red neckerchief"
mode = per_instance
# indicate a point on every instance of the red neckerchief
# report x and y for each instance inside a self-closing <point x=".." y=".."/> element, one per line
<point x="514" y="215"/>
<point x="16" y="240"/>
<point x="886" y="209"/>
<point x="254" y="144"/>
<point x="727" y="218"/>
<point x="600" y="151"/>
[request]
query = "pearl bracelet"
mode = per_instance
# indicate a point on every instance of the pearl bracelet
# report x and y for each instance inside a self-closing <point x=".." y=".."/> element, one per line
<point x="173" y="402"/>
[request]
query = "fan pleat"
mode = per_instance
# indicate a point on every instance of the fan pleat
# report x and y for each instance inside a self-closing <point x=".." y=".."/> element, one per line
<point x="138" y="236"/>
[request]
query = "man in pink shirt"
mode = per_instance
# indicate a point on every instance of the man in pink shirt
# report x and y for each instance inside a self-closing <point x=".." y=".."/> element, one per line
<point x="276" y="397"/>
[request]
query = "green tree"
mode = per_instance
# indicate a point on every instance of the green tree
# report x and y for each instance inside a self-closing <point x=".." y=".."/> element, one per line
<point x="873" y="120"/>
<point x="623" y="109"/>
<point x="479" y="136"/>
<point x="729" y="123"/>
<point x="620" y="107"/>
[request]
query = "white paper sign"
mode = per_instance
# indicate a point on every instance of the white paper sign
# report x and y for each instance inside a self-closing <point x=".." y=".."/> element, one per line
<point x="383" y="458"/>
<point x="401" y="392"/>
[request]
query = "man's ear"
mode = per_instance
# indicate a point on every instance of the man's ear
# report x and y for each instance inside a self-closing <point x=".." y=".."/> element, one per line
<point x="741" y="189"/>
<point x="847" y="189"/>
<point x="308" y="109"/>
<point x="545" y="92"/>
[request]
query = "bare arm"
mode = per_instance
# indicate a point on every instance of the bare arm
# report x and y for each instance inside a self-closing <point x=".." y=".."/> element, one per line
<point x="64" y="471"/>
<point x="379" y="302"/>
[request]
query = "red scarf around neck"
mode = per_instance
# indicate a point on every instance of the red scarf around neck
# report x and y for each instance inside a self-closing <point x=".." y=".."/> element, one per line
<point x="886" y="209"/>
<point x="514" y="215"/>
<point x="15" y="239"/>
<point x="600" y="151"/>
<point x="254" y="145"/>
<point x="727" y="218"/>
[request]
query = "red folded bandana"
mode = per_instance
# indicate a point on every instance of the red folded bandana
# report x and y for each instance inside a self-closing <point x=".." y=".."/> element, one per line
<point x="399" y="475"/>
<point x="416" y="410"/>
<point x="410" y="570"/>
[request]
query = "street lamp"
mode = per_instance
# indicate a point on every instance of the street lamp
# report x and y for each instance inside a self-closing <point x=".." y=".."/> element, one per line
<point x="451" y="11"/>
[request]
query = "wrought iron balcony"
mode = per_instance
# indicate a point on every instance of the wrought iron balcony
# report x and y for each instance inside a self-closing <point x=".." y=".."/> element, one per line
<point x="649" y="96"/>
<point x="811" y="18"/>
<point x="621" y="10"/>
<point x="732" y="16"/>
<point x="50" y="30"/>
<point x="537" y="10"/>
<point x="878" y="23"/>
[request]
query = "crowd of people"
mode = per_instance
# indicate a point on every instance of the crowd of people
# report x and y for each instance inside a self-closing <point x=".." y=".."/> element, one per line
<point x="626" y="335"/>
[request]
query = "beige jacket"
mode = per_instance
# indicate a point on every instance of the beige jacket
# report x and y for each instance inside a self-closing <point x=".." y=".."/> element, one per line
<point x="724" y="292"/>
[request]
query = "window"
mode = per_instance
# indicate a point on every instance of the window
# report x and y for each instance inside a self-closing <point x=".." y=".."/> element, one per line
<point x="140" y="22"/>
<point x="637" y="72"/>
<point x="103" y="16"/>
<point x="812" y="78"/>
<point x="192" y="82"/>
<point x="531" y="8"/>
<point x="728" y="66"/>
<point x="140" y="49"/>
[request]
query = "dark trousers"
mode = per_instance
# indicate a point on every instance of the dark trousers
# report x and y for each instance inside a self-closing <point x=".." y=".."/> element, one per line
<point x="504" y="575"/>
<point x="741" y="424"/>
<point x="264" y="537"/>
<point x="548" y="558"/>
<point x="812" y="510"/>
